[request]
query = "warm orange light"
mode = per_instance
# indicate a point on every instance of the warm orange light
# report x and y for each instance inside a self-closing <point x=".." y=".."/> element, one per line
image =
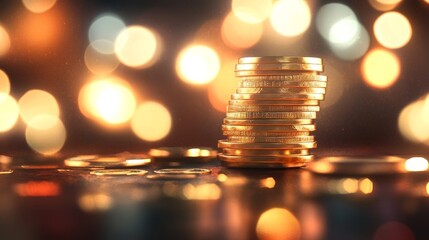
<point x="110" y="100"/>
<point x="278" y="223"/>
<point x="151" y="121"/>
<point x="380" y="68"/>
<point x="37" y="189"/>
<point x="240" y="35"/>
<point x="37" y="102"/>
<point x="9" y="110"/>
<point x="45" y="134"/>
<point x="4" y="41"/>
<point x="137" y="46"/>
<point x="197" y="64"/>
<point x="384" y="5"/>
<point x="290" y="17"/>
<point x="392" y="30"/>
<point x="95" y="202"/>
<point x="99" y="63"/>
<point x="416" y="164"/>
<point x="4" y="82"/>
<point x="39" y="6"/>
<point x="251" y="11"/>
<point x="206" y="191"/>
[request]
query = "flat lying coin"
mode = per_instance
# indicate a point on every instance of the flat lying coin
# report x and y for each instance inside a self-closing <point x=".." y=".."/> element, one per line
<point x="281" y="115"/>
<point x="280" y="59"/>
<point x="171" y="176"/>
<point x="272" y="159"/>
<point x="183" y="171"/>
<point x="268" y="122"/>
<point x="281" y="90"/>
<point x="294" y="139"/>
<point x="271" y="108"/>
<point x="278" y="67"/>
<point x="266" y="133"/>
<point x="292" y="128"/>
<point x="118" y="172"/>
<point x="39" y="166"/>
<point x="277" y="96"/>
<point x="274" y="102"/>
<point x="287" y="146"/>
<point x="262" y="164"/>
<point x="262" y="152"/>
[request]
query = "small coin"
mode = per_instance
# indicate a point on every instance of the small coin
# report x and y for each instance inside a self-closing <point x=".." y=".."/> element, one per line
<point x="282" y="158"/>
<point x="280" y="59"/>
<point x="266" y="133"/>
<point x="271" y="108"/>
<point x="277" y="96"/>
<point x="118" y="172"/>
<point x="183" y="171"/>
<point x="290" y="146"/>
<point x="246" y="115"/>
<point x="88" y="161"/>
<point x="280" y="83"/>
<point x="262" y="165"/>
<point x="7" y="171"/>
<point x="294" y="139"/>
<point x="274" y="102"/>
<point x="300" y="77"/>
<point x="281" y="90"/>
<point x="285" y="128"/>
<point x="278" y="67"/>
<point x="171" y="176"/>
<point x="262" y="152"/>
<point x="276" y="122"/>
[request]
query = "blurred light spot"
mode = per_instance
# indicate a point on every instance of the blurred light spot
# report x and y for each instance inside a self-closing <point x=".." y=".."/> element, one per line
<point x="290" y="17"/>
<point x="393" y="230"/>
<point x="384" y="5"/>
<point x="392" y="30"/>
<point x="100" y="63"/>
<point x="240" y="35"/>
<point x="350" y="185"/>
<point x="37" y="102"/>
<point x="110" y="100"/>
<point x="39" y="31"/>
<point x="95" y="202"/>
<point x="9" y="112"/>
<point x="197" y="64"/>
<point x="151" y="121"/>
<point x="278" y="223"/>
<point x="4" y="41"/>
<point x="413" y="120"/>
<point x="137" y="46"/>
<point x="427" y="188"/>
<point x="4" y="82"/>
<point x="251" y="11"/>
<point x="39" y="6"/>
<point x="380" y="68"/>
<point x="366" y="186"/>
<point x="416" y="164"/>
<point x="354" y="49"/>
<point x="103" y="32"/>
<point x="222" y="177"/>
<point x="207" y="191"/>
<point x="37" y="189"/>
<point x="268" y="182"/>
<point x="45" y="134"/>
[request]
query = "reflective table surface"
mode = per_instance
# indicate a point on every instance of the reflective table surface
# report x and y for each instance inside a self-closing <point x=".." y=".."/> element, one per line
<point x="50" y="202"/>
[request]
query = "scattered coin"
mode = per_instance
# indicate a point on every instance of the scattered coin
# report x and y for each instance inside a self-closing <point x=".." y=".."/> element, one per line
<point x="183" y="171"/>
<point x="118" y="172"/>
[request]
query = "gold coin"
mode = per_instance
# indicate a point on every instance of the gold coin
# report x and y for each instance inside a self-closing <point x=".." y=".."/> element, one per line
<point x="280" y="59"/>
<point x="183" y="171"/>
<point x="262" y="165"/>
<point x="275" y="102"/>
<point x="88" y="161"/>
<point x="300" y="77"/>
<point x="293" y="139"/>
<point x="272" y="128"/>
<point x="262" y="152"/>
<point x="171" y="176"/>
<point x="268" y="122"/>
<point x="303" y="145"/>
<point x="182" y="152"/>
<point x="281" y="90"/>
<point x="290" y="158"/>
<point x="271" y="108"/>
<point x="278" y="67"/>
<point x="246" y="115"/>
<point x="118" y="172"/>
<point x="275" y="97"/>
<point x="275" y="72"/>
<point x="266" y="133"/>
<point x="281" y="83"/>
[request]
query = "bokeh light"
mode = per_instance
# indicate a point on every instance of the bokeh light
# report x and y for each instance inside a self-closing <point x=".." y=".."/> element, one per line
<point x="413" y="121"/>
<point x="237" y="34"/>
<point x="39" y="6"/>
<point x="9" y="110"/>
<point x="337" y="23"/>
<point x="392" y="30"/>
<point x="4" y="41"/>
<point x="278" y="223"/>
<point x="151" y="121"/>
<point x="251" y="11"/>
<point x="206" y="191"/>
<point x="197" y="64"/>
<point x="45" y="134"/>
<point x="100" y="63"/>
<point x="355" y="49"/>
<point x="103" y="32"/>
<point x="393" y="230"/>
<point x="110" y="100"/>
<point x="290" y="17"/>
<point x="95" y="202"/>
<point x="416" y="164"/>
<point x="380" y="68"/>
<point x="37" y="102"/>
<point x="138" y="47"/>
<point x="4" y="83"/>
<point x="384" y="5"/>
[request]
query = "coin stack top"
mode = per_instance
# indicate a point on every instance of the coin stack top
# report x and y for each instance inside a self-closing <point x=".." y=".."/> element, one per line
<point x="271" y="116"/>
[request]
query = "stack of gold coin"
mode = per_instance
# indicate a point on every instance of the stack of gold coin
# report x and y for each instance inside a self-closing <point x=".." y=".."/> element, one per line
<point x="271" y="117"/>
